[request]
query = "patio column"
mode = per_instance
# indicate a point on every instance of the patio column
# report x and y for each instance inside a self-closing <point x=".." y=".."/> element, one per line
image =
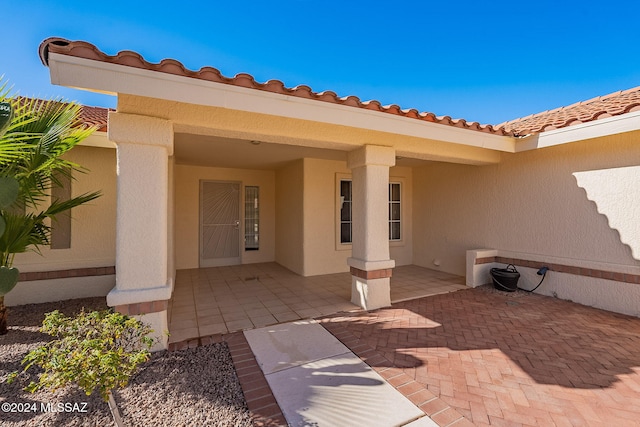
<point x="143" y="286"/>
<point x="370" y="264"/>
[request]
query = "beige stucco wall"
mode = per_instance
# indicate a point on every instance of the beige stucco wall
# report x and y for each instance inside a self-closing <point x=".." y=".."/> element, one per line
<point x="92" y="236"/>
<point x="171" y="210"/>
<point x="289" y="216"/>
<point x="402" y="251"/>
<point x="323" y="253"/>
<point x="92" y="225"/>
<point x="576" y="201"/>
<point x="187" y="199"/>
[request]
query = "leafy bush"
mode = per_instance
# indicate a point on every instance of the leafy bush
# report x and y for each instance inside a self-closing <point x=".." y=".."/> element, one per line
<point x="95" y="350"/>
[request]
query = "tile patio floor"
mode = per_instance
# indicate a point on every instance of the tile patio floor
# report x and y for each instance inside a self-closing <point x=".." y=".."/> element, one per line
<point x="477" y="357"/>
<point x="210" y="301"/>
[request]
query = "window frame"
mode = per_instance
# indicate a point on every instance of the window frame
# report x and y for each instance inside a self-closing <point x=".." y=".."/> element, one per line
<point x="61" y="227"/>
<point x="255" y="218"/>
<point x="339" y="245"/>
<point x="398" y="221"/>
<point x="349" y="204"/>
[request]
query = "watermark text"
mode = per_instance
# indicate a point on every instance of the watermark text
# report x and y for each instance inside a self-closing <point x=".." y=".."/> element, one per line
<point x="23" y="407"/>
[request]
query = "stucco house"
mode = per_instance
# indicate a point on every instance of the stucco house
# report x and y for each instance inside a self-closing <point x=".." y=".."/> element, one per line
<point x="198" y="169"/>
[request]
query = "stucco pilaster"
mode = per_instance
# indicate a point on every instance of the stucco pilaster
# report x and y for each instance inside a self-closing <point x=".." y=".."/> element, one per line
<point x="140" y="130"/>
<point x="144" y="145"/>
<point x="370" y="246"/>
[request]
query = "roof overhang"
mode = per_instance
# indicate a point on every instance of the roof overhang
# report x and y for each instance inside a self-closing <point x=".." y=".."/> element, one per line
<point x="628" y="122"/>
<point x="422" y="136"/>
<point x="104" y="77"/>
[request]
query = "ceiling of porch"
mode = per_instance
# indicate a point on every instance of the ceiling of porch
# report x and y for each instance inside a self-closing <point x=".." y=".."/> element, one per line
<point x="216" y="151"/>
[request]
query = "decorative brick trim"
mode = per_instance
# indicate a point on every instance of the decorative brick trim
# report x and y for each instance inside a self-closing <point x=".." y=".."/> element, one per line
<point x="433" y="406"/>
<point x="63" y="274"/>
<point x="265" y="411"/>
<point x="373" y="274"/>
<point x="562" y="268"/>
<point x="142" y="307"/>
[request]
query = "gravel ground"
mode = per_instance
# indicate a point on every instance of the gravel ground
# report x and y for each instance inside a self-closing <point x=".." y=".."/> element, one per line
<point x="182" y="388"/>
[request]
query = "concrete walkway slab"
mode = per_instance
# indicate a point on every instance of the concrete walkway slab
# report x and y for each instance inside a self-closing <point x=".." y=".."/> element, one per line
<point x="339" y="391"/>
<point x="423" y="422"/>
<point x="318" y="381"/>
<point x="286" y="345"/>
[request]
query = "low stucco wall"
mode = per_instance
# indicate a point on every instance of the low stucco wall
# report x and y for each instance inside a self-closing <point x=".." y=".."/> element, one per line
<point x="578" y="201"/>
<point x="38" y="291"/>
<point x="187" y="211"/>
<point x="613" y="287"/>
<point x="92" y="237"/>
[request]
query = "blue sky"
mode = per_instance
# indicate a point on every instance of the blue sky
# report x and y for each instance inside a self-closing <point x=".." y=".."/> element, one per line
<point x="483" y="61"/>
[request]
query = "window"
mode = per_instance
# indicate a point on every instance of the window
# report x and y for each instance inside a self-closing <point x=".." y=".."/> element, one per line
<point x="251" y="219"/>
<point x="61" y="226"/>
<point x="346" y="212"/>
<point x="394" y="211"/>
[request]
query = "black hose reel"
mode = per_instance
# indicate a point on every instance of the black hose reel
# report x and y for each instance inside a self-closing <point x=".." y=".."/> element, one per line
<point x="505" y="279"/>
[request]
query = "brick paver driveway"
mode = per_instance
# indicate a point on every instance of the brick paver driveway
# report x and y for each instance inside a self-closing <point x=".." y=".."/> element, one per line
<point x="489" y="358"/>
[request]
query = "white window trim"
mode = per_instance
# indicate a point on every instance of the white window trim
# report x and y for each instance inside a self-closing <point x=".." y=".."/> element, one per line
<point x="400" y="221"/>
<point x="339" y="245"/>
<point x="404" y="205"/>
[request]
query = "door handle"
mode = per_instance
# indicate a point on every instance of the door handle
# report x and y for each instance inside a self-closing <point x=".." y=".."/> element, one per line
<point x="237" y="224"/>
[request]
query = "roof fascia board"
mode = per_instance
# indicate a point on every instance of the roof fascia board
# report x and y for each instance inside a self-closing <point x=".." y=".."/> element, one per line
<point x="598" y="128"/>
<point x="104" y="77"/>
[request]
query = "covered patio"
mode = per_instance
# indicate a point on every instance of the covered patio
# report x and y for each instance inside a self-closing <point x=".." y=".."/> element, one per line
<point x="241" y="172"/>
<point x="219" y="300"/>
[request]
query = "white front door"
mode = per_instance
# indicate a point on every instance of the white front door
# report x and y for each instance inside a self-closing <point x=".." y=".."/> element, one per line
<point x="219" y="223"/>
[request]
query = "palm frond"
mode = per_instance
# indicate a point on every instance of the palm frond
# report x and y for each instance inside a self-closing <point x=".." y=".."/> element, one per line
<point x="30" y="152"/>
<point x="22" y="233"/>
<point x="41" y="133"/>
<point x="59" y="206"/>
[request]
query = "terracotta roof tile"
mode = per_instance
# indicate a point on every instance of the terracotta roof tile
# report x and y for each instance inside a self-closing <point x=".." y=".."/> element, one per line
<point x="86" y="50"/>
<point x="91" y="116"/>
<point x="95" y="116"/>
<point x="597" y="108"/>
<point x="601" y="107"/>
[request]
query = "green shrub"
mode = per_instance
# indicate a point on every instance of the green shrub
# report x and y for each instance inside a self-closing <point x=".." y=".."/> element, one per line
<point x="95" y="350"/>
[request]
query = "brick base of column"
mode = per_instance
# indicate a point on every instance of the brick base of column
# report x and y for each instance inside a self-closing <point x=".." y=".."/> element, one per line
<point x="371" y="289"/>
<point x="373" y="274"/>
<point x="142" y="307"/>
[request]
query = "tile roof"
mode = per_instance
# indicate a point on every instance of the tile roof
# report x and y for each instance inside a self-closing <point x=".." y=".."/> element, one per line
<point x="95" y="116"/>
<point x="92" y="116"/>
<point x="86" y="50"/>
<point x="597" y="108"/>
<point x="601" y="107"/>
